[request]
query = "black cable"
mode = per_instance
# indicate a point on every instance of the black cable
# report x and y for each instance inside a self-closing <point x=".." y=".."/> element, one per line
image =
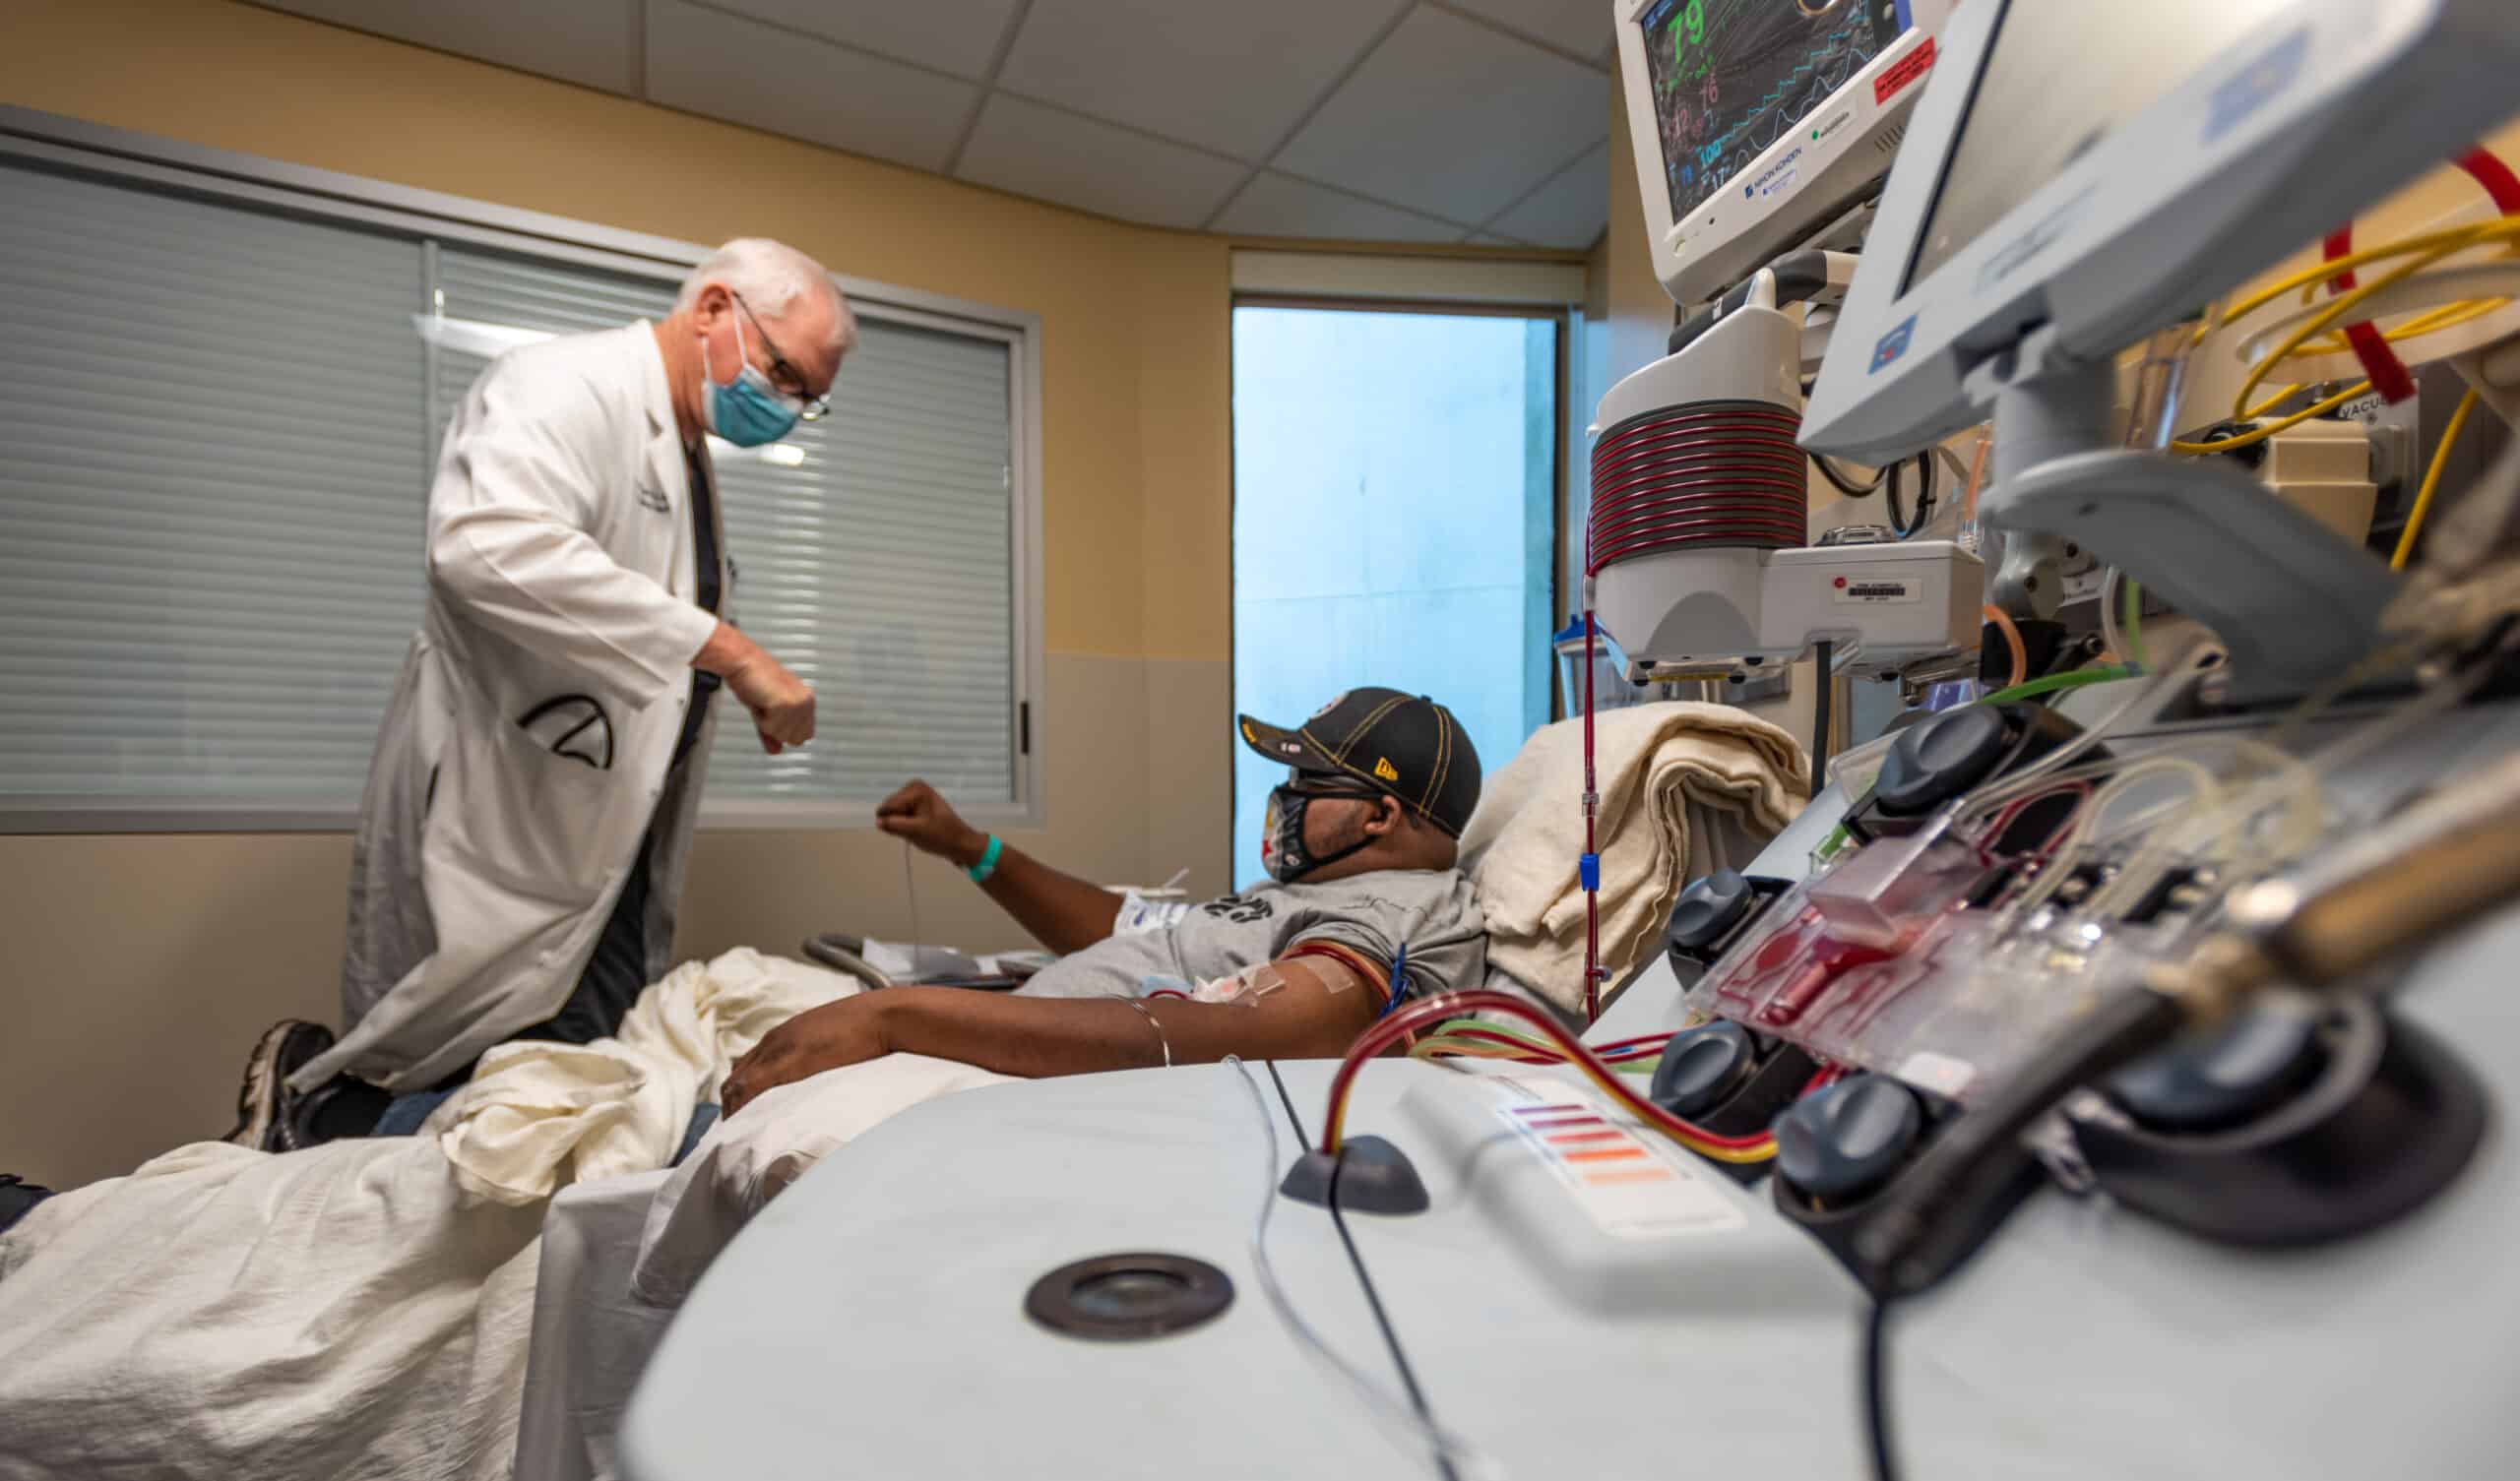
<point x="1898" y="523"/>
<point x="1357" y="1261"/>
<point x="1876" y="1391"/>
<point x="1288" y="1101"/>
<point x="1840" y="481"/>
<point x="1390" y="1337"/>
<point x="1820" y="717"/>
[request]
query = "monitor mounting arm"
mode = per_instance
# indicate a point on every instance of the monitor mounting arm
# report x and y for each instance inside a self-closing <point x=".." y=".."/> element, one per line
<point x="2293" y="604"/>
<point x="2043" y="404"/>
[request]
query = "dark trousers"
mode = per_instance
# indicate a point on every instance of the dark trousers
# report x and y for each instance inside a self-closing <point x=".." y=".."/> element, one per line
<point x="606" y="990"/>
<point x="614" y="975"/>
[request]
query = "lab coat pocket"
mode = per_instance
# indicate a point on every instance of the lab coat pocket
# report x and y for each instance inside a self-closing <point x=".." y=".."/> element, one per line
<point x="538" y="812"/>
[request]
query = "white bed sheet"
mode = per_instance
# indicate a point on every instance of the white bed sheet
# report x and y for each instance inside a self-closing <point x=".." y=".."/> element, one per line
<point x="592" y="1337"/>
<point x="620" y="1255"/>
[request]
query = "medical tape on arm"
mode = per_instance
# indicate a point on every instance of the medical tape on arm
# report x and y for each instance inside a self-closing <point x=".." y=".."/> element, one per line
<point x="1254" y="983"/>
<point x="1249" y="985"/>
<point x="1354" y="961"/>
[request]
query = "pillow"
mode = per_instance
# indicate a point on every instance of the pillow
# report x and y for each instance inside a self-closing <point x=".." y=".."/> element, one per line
<point x="748" y="1159"/>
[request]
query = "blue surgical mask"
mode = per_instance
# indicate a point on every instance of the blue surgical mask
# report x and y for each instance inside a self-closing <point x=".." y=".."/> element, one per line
<point x="747" y="411"/>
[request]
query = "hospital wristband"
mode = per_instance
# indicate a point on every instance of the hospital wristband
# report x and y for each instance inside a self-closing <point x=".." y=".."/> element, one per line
<point x="988" y="865"/>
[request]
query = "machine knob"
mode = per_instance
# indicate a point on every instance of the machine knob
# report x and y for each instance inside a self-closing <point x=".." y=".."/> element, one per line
<point x="1847" y="1139"/>
<point x="2225" y="1078"/>
<point x="1940" y="758"/>
<point x="1707" y="908"/>
<point x="1701" y="1067"/>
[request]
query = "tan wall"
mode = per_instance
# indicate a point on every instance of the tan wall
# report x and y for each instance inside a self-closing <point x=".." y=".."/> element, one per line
<point x="143" y="966"/>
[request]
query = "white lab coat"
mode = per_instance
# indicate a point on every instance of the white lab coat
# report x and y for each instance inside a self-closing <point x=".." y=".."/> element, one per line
<point x="560" y="559"/>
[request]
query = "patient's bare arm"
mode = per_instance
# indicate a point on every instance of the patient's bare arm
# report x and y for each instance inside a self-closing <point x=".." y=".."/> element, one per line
<point x="1062" y="912"/>
<point x="1317" y="1008"/>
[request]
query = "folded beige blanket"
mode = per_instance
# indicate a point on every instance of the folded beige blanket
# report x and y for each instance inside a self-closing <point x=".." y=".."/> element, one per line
<point x="1686" y="788"/>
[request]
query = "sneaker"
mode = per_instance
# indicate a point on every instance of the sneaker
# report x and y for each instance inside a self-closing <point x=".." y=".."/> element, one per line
<point x="263" y="1100"/>
<point x="340" y="1107"/>
<point x="17" y="1197"/>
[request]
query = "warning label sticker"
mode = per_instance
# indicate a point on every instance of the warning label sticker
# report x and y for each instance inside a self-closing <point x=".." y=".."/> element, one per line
<point x="1906" y="70"/>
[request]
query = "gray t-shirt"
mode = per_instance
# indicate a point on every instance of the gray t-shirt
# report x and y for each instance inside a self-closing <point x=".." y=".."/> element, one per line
<point x="1177" y="944"/>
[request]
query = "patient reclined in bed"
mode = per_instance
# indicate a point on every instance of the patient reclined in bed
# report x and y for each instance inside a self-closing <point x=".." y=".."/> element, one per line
<point x="361" y="1308"/>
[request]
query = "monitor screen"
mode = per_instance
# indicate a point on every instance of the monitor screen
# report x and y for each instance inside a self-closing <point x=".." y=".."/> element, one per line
<point x="1731" y="77"/>
<point x="2056" y="79"/>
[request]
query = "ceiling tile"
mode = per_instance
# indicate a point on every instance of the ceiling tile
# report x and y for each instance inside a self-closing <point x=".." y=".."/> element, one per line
<point x="1569" y="210"/>
<point x="959" y="37"/>
<point x="1227" y="75"/>
<point x="1275" y="205"/>
<point x="1491" y="239"/>
<point x="1451" y="118"/>
<point x="585" y="41"/>
<point x="707" y="62"/>
<point x="1031" y="150"/>
<point x="1581" y="27"/>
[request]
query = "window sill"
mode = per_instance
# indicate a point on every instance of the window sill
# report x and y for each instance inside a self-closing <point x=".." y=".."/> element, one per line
<point x="89" y="815"/>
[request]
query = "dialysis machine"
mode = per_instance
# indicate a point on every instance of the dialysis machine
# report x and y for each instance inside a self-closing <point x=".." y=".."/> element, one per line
<point x="2112" y="1087"/>
<point x="1760" y="131"/>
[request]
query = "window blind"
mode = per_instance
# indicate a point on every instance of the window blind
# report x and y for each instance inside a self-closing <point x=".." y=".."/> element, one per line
<point x="221" y="422"/>
<point x="210" y="507"/>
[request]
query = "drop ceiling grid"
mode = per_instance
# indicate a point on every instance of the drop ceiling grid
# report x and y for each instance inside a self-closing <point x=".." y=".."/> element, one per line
<point x="1405" y="120"/>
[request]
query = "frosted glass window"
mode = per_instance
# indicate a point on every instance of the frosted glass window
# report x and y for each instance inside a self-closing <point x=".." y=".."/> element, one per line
<point x="1394" y="522"/>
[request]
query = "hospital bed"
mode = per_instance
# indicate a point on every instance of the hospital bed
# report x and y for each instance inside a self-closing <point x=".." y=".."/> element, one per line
<point x="876" y="1319"/>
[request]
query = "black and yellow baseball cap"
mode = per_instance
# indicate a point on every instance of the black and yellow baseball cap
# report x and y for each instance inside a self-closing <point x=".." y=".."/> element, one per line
<point x="1406" y="745"/>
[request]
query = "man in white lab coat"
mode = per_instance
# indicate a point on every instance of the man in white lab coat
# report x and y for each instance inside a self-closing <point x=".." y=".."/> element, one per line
<point x="529" y="805"/>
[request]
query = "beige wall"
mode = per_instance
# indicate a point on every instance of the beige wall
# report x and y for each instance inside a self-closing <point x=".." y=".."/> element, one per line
<point x="1640" y="311"/>
<point x="143" y="966"/>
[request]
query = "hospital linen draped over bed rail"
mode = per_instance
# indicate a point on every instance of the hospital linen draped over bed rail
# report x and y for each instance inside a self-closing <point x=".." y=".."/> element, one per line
<point x="359" y="1309"/>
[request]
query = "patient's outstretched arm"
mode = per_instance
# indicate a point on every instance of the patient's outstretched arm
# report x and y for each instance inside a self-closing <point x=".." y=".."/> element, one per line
<point x="1310" y="1008"/>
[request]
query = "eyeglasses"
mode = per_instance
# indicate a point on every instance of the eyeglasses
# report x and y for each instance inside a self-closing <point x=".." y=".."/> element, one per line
<point x="784" y="377"/>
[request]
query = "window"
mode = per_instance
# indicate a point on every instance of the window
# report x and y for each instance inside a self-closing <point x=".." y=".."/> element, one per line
<point x="210" y="527"/>
<point x="1394" y="524"/>
<point x="222" y="421"/>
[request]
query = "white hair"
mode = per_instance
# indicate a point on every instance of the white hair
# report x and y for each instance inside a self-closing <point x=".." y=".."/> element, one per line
<point x="769" y="277"/>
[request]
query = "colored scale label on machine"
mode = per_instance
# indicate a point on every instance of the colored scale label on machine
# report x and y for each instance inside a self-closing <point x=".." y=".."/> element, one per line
<point x="1623" y="1183"/>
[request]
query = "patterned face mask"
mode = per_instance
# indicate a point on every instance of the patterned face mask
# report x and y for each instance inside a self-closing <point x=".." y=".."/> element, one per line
<point x="1282" y="852"/>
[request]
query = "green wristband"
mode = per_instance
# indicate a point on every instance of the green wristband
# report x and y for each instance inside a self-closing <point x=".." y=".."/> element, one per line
<point x="988" y="865"/>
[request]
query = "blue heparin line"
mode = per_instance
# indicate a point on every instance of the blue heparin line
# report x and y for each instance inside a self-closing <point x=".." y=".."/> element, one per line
<point x="1398" y="982"/>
